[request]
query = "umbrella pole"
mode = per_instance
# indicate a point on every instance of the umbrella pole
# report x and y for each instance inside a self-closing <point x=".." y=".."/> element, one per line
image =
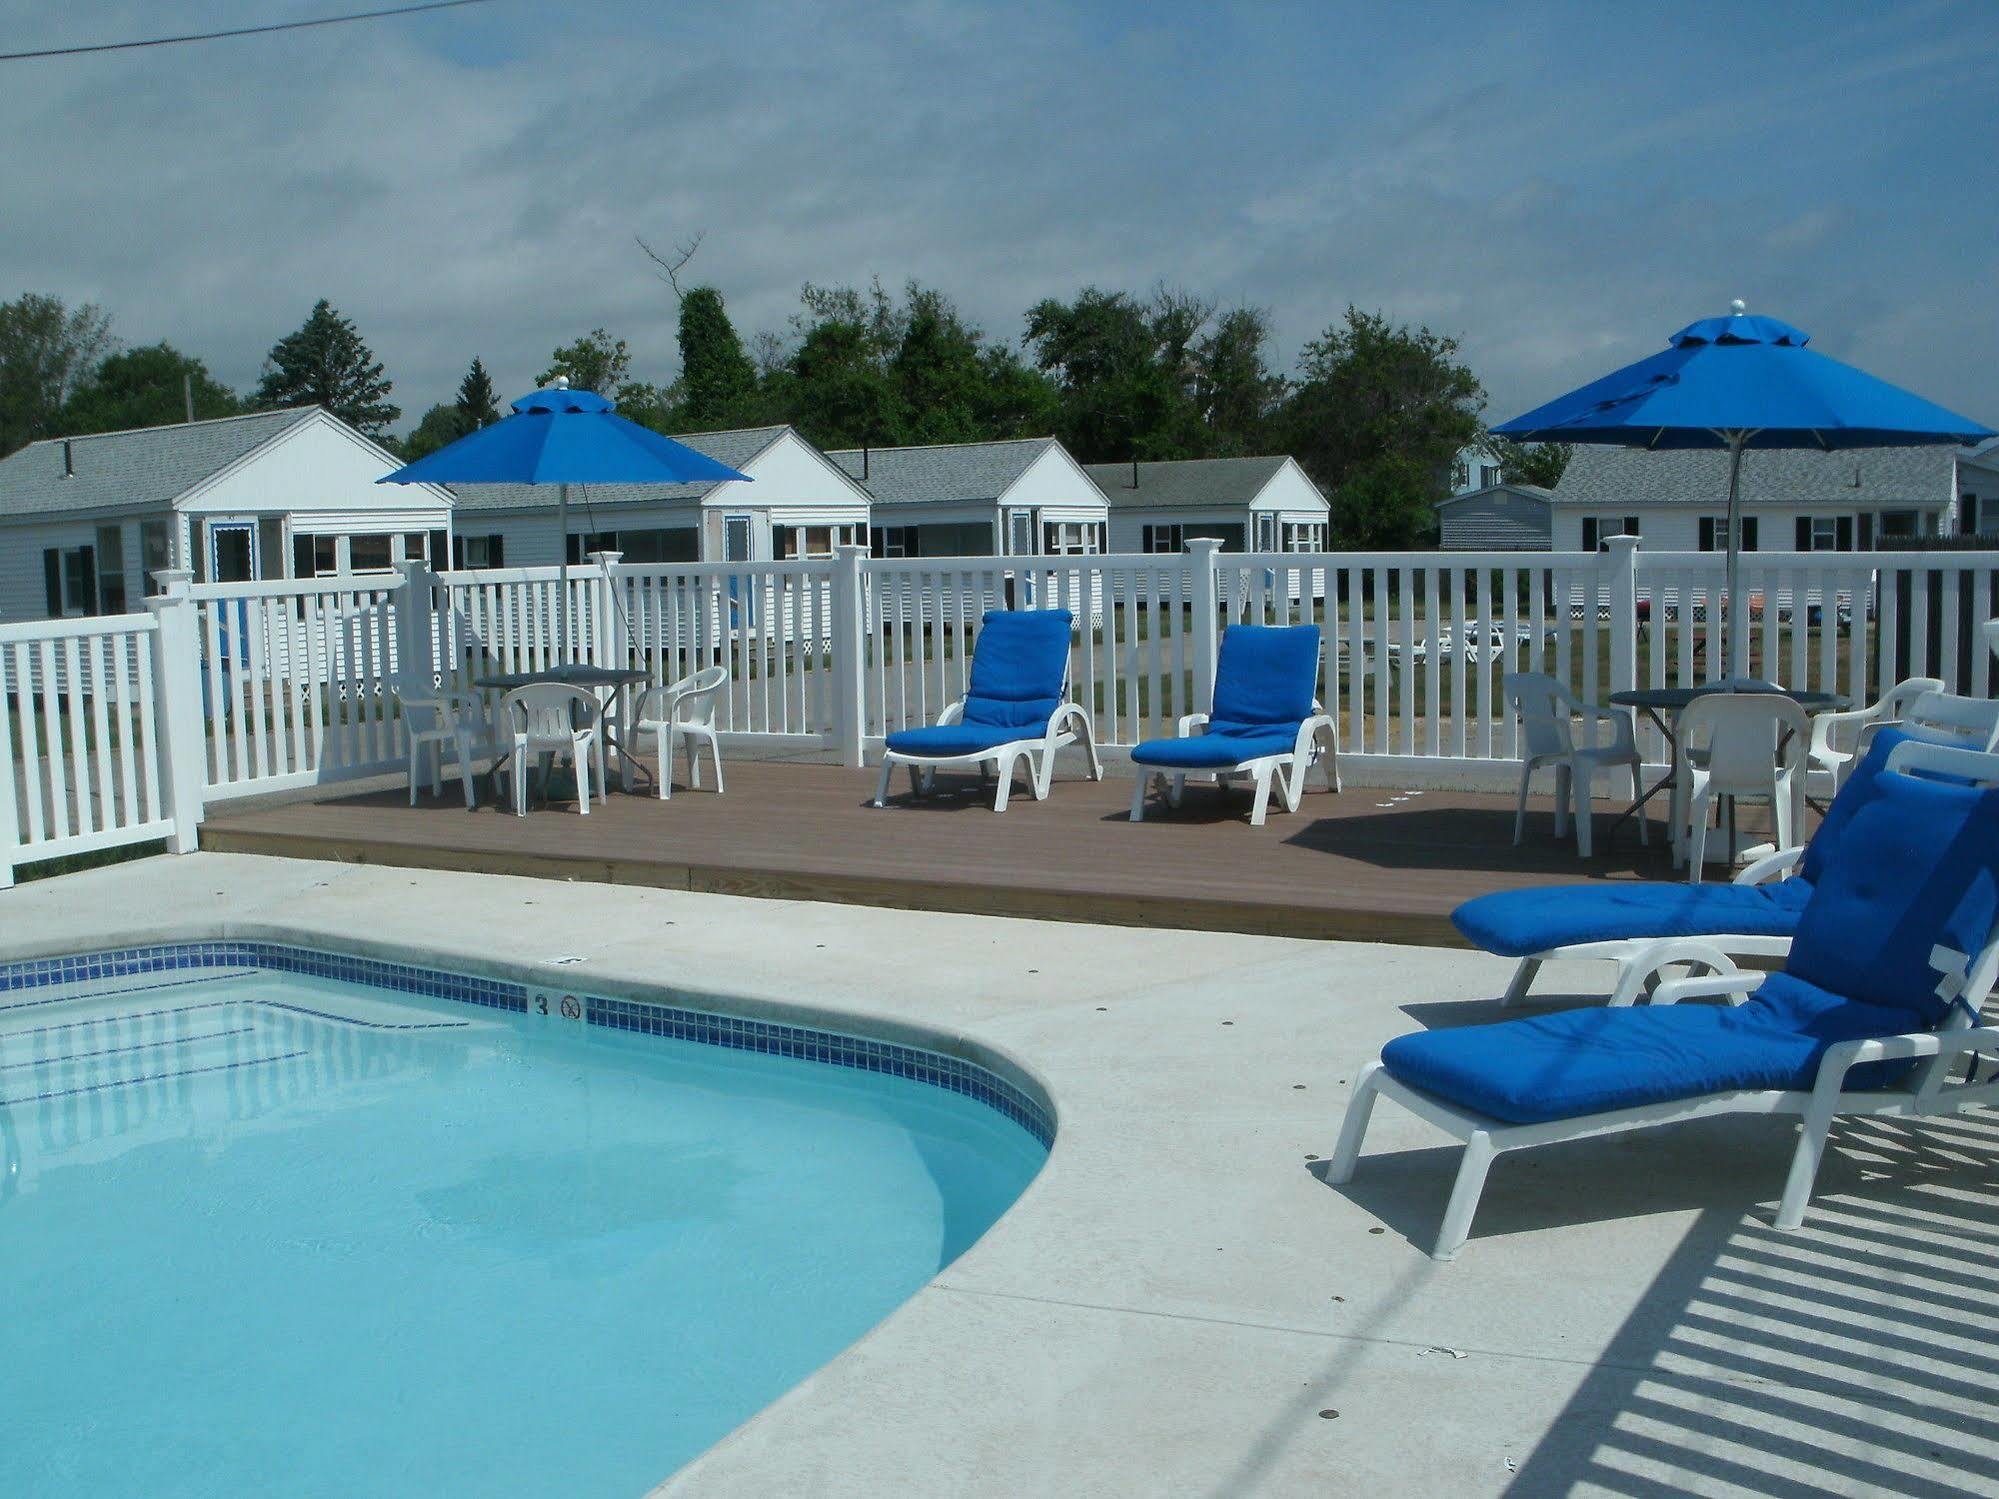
<point x="562" y="575"/>
<point x="1738" y="641"/>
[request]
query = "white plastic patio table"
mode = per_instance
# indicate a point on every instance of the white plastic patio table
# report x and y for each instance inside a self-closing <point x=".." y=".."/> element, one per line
<point x="1656" y="702"/>
<point x="591" y="679"/>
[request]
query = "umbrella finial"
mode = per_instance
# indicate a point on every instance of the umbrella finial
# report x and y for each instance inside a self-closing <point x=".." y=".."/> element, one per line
<point x="562" y="381"/>
<point x="1737" y="307"/>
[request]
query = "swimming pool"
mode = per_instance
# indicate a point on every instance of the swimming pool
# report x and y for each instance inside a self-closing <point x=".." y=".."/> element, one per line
<point x="283" y="1222"/>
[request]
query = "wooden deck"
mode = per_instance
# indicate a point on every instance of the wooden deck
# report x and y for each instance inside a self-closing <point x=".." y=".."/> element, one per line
<point x="1366" y="864"/>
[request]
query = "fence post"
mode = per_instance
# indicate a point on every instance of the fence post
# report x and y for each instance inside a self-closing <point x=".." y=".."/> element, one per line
<point x="1205" y="591"/>
<point x="176" y="705"/>
<point x="416" y="620"/>
<point x="608" y="645"/>
<point x="10" y="824"/>
<point x="847" y="656"/>
<point x="1620" y="562"/>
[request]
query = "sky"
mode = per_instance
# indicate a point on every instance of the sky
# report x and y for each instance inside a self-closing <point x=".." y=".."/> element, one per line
<point x="1560" y="186"/>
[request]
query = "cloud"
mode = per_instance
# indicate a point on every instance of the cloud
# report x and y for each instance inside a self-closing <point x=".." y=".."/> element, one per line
<point x="1562" y="188"/>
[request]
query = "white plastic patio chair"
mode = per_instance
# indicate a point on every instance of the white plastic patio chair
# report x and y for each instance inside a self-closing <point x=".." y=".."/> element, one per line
<point x="1739" y="747"/>
<point x="1547" y="712"/>
<point x="1953" y="719"/>
<point x="434" y="716"/>
<point x="683" y="710"/>
<point x="1838" y="739"/>
<point x="549" y="718"/>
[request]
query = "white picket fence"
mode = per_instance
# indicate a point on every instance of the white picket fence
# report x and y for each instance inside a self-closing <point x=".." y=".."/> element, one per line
<point x="120" y="730"/>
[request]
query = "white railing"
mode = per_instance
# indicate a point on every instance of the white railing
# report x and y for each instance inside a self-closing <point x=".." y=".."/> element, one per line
<point x="293" y="682"/>
<point x="118" y="730"/>
<point x="81" y="759"/>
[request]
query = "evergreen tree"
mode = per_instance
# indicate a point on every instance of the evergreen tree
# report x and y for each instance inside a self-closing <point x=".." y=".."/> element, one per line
<point x="147" y="387"/>
<point x="716" y="377"/>
<point x="477" y="399"/>
<point x="325" y="363"/>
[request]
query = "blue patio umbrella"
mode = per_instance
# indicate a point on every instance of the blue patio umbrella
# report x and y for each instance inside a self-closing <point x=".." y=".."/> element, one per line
<point x="561" y="436"/>
<point x="1741" y="382"/>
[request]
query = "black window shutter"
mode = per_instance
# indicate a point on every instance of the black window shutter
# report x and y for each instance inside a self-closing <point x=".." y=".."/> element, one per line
<point x="1707" y="533"/>
<point x="440" y="554"/>
<point x="87" y="565"/>
<point x="1804" y="533"/>
<point x="1748" y="533"/>
<point x="52" y="580"/>
<point x="1843" y="533"/>
<point x="1589" y="533"/>
<point x="1867" y="531"/>
<point x="1630" y="525"/>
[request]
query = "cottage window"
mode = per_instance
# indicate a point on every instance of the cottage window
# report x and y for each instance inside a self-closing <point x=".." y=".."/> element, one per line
<point x="1164" y="538"/>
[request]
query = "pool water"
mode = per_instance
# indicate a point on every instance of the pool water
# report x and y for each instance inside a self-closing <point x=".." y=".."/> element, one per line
<point x="263" y="1233"/>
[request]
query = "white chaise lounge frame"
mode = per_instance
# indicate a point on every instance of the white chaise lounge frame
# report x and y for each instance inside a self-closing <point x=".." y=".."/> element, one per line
<point x="1067" y="725"/>
<point x="1927" y="1091"/>
<point x="1642" y="961"/>
<point x="1286" y="771"/>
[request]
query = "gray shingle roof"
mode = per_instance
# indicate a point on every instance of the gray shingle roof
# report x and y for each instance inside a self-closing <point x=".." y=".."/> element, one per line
<point x="734" y="448"/>
<point x="1883" y="478"/>
<point x="1531" y="491"/>
<point x="959" y="471"/>
<point x="1186" y="482"/>
<point x="143" y="469"/>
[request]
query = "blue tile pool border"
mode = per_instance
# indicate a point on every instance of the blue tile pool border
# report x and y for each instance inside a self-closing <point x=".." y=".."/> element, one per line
<point x="641" y="1017"/>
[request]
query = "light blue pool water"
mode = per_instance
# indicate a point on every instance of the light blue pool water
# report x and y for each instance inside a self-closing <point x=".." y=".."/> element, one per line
<point x="263" y="1233"/>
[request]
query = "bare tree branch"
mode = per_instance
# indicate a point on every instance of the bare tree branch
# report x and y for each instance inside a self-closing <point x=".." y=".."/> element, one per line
<point x="670" y="270"/>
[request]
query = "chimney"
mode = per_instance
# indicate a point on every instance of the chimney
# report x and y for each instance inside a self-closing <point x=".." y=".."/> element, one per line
<point x="68" y="458"/>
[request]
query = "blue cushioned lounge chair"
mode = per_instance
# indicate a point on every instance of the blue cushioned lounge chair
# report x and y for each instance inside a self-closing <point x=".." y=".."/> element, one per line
<point x="1015" y="709"/>
<point x="1876" y="1011"/>
<point x="1266" y="724"/>
<point x="1648" y="926"/>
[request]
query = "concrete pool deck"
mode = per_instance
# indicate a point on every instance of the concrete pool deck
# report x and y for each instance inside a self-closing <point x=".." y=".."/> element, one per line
<point x="1178" y="1297"/>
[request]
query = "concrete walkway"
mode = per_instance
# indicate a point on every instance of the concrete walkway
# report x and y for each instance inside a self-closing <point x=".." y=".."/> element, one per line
<point x="1179" y="1305"/>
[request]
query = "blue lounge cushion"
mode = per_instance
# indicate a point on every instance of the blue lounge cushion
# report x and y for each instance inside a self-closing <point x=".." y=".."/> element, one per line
<point x="1880" y="948"/>
<point x="1264" y="681"/>
<point x="1266" y="674"/>
<point x="1020" y="661"/>
<point x="1520" y="923"/>
<point x="947" y="741"/>
<point x="1217" y="749"/>
<point x="1578" y="1062"/>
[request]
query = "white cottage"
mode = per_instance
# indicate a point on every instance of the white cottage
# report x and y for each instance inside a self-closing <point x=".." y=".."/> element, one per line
<point x="798" y="504"/>
<point x="1250" y="504"/>
<point x="1020" y="497"/>
<point x="1793" y="500"/>
<point x="273" y="494"/>
<point x="1978" y="490"/>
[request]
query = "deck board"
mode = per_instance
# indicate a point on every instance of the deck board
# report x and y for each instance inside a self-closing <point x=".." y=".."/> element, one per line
<point x="1364" y="863"/>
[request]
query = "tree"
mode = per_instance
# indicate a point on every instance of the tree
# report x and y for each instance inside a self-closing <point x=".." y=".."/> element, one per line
<point x="325" y="363"/>
<point x="1541" y="463"/>
<point x="47" y="349"/>
<point x="717" y="380"/>
<point x="1235" y="389"/>
<point x="441" y="426"/>
<point x="147" y="387"/>
<point x="1377" y="405"/>
<point x="596" y="361"/>
<point x="1127" y="371"/>
<point x="477" y="399"/>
